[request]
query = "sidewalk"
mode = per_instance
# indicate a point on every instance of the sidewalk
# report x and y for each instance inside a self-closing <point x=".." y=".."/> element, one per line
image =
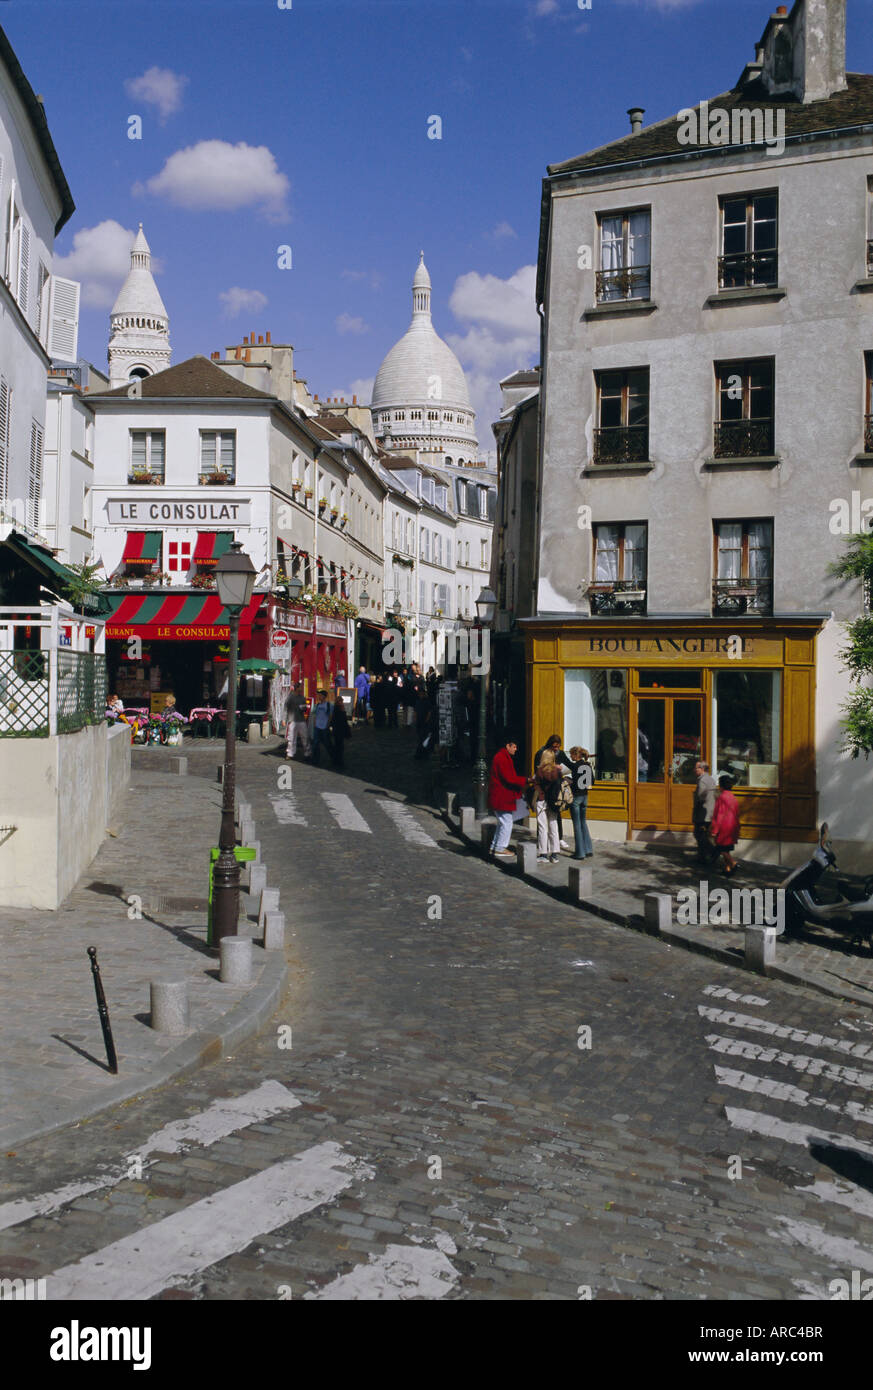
<point x="622" y="875"/>
<point x="53" y="1068"/>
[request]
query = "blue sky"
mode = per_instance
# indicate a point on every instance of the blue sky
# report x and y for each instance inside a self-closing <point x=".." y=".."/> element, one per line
<point x="308" y="127"/>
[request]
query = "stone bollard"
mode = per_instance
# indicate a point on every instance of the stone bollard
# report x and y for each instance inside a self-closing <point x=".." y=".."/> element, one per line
<point x="760" y="947"/>
<point x="235" y="966"/>
<point x="257" y="878"/>
<point x="253" y="732"/>
<point x="269" y="903"/>
<point x="526" y="856"/>
<point x="243" y="812"/>
<point x="580" y="883"/>
<point x="274" y="931"/>
<point x="246" y="832"/>
<point x="256" y="846"/>
<point x="179" y="765"/>
<point x="658" y="912"/>
<point x="169" y="1006"/>
<point x="468" y="822"/>
<point x="451" y="804"/>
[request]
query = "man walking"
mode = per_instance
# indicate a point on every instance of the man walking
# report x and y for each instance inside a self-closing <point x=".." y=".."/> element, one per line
<point x="702" y="811"/>
<point x="504" y="788"/>
<point x="295" y="727"/>
<point x="362" y="692"/>
<point x="319" y="726"/>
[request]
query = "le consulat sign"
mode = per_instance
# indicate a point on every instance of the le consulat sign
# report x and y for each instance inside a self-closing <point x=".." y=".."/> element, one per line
<point x="176" y="511"/>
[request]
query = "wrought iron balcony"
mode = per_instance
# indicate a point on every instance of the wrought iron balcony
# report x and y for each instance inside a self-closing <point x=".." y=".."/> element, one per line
<point x="730" y="596"/>
<point x="745" y="269"/>
<point x="868" y="434"/>
<point x="743" y="438"/>
<point x="633" y="282"/>
<point x="621" y="444"/>
<point x="617" y="596"/>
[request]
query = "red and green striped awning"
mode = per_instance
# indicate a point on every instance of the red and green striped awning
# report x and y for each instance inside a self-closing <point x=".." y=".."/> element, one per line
<point x="210" y="547"/>
<point x="183" y="617"/>
<point x="142" y="548"/>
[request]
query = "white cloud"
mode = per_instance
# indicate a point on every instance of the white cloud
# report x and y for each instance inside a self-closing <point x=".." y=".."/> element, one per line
<point x="237" y="301"/>
<point x="100" y="259"/>
<point x="545" y="7"/>
<point x="374" y="277"/>
<point x="362" y="387"/>
<point x="345" y="323"/>
<point x="158" y="87"/>
<point x="214" y="175"/>
<point x="503" y="334"/>
<point x="503" y="231"/>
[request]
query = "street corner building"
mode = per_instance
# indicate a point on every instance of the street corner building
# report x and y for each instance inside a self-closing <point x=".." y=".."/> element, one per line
<point x="705" y="449"/>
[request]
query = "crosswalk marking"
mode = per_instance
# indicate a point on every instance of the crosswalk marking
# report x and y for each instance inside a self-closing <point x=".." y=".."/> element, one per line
<point x="798" y="1061"/>
<point x="286" y="811"/>
<point x="345" y="813"/>
<point x="162" y="1255"/>
<point x="793" y="1095"/>
<point x="755" y="1024"/>
<point x="406" y="823"/>
<point x="756" y="1122"/>
<point x="402" y="1271"/>
<point x="220" y="1119"/>
<point x="722" y="992"/>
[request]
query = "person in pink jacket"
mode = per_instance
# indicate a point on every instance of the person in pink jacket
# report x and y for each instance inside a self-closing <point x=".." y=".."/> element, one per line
<point x="725" y="828"/>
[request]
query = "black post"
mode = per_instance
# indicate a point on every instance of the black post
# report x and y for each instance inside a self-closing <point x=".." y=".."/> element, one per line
<point x="480" y="771"/>
<point x="103" y="1012"/>
<point x="226" y="873"/>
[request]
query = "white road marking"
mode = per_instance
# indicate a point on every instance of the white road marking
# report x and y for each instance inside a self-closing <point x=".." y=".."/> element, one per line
<point x="286" y="810"/>
<point x="722" y="992"/>
<point x="846" y="1254"/>
<point x="221" y="1118"/>
<point x="780" y="1090"/>
<point x="798" y="1061"/>
<point x="403" y="1271"/>
<point x="782" y="1030"/>
<point x="162" y="1255"/>
<point x="406" y="823"/>
<point x="755" y="1122"/>
<point x="345" y="813"/>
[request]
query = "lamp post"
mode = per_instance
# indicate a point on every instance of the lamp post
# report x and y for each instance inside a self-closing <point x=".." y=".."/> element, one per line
<point x="235" y="580"/>
<point x="486" y="606"/>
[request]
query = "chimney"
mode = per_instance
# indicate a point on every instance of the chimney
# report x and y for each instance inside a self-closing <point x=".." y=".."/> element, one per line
<point x="238" y="351"/>
<point x="804" y="53"/>
<point x="245" y="340"/>
<point x="268" y="337"/>
<point x="260" y="339"/>
<point x="354" y="400"/>
<point x="636" y="114"/>
<point x="248" y="354"/>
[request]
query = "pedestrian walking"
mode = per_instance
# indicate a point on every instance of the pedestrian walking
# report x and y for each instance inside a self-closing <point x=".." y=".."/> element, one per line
<point x="295" y="723"/>
<point x="392" y="699"/>
<point x="319" y="726"/>
<point x="726" y="824"/>
<point x="339" y="732"/>
<point x="424" y="723"/>
<point x="582" y="778"/>
<point x="362" y="695"/>
<point x="547" y="779"/>
<point x="378" y="691"/>
<point x="701" y="811"/>
<point x="504" y="789"/>
<point x="553" y="745"/>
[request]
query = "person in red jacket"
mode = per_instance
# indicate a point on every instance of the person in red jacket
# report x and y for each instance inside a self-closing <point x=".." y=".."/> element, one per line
<point x="504" y="788"/>
<point x="725" y="827"/>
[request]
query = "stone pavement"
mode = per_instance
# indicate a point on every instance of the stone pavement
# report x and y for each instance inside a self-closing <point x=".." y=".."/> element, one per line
<point x="624" y="873"/>
<point x="453" y="1129"/>
<point x="142" y="903"/>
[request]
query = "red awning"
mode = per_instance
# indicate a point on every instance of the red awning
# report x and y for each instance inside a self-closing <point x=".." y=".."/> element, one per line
<point x="210" y="547"/>
<point x="183" y="617"/>
<point x="141" y="548"/>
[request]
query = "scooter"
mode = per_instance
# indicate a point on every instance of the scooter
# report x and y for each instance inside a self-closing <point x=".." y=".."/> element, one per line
<point x="805" y="901"/>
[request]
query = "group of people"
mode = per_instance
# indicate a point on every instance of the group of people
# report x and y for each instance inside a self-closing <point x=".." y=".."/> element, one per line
<point x="323" y="725"/>
<point x="562" y="782"/>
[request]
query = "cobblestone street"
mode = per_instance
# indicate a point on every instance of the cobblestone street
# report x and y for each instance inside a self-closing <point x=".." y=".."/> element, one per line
<point x="436" y="1115"/>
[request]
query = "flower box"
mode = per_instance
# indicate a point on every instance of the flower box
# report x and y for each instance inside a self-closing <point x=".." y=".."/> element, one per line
<point x="144" y="479"/>
<point x="215" y="479"/>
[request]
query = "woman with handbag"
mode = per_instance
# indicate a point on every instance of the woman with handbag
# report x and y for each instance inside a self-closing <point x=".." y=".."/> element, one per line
<point x="548" y="799"/>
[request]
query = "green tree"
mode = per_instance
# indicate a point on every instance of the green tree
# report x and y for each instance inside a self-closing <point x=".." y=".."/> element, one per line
<point x="83" y="583"/>
<point x="857" y="563"/>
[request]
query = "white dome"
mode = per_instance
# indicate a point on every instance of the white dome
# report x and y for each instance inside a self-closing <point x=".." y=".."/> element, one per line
<point x="422" y="278"/>
<point x="139" y="295"/>
<point x="421" y="369"/>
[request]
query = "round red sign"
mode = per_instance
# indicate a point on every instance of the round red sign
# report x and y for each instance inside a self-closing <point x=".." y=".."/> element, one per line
<point x="279" y="638"/>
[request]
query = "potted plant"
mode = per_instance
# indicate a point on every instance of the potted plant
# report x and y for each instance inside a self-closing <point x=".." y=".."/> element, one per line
<point x="296" y="485"/>
<point x="343" y="521"/>
<point x="203" y="581"/>
<point x="215" y="479"/>
<point x="142" y="478"/>
<point x="307" y="492"/>
<point x="322" y="503"/>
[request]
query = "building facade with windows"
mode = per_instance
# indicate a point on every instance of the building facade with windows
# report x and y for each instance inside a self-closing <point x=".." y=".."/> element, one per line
<point x="706" y="407"/>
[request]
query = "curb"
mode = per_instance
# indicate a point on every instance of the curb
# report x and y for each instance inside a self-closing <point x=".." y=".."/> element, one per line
<point x="792" y="975"/>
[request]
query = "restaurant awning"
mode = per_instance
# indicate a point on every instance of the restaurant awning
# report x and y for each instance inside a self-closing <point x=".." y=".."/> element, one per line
<point x="142" y="548"/>
<point x="27" y="559"/>
<point x="210" y="547"/>
<point x="183" y="617"/>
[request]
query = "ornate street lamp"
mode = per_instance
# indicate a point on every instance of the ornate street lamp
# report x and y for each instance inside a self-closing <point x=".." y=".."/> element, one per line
<point x="235" y="580"/>
<point x="486" y="606"/>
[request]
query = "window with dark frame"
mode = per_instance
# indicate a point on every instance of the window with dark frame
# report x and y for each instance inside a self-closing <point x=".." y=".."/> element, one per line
<point x="868" y="403"/>
<point x="749" y="241"/>
<point x="622" y="434"/>
<point x="742" y="566"/>
<point x="744" y="427"/>
<point x="620" y="568"/>
<point x="625" y="255"/>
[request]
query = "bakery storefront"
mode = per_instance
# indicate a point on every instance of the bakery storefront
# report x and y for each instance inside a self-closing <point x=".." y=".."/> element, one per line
<point x="649" y="699"/>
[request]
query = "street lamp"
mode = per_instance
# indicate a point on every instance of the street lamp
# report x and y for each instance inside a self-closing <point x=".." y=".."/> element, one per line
<point x="235" y="580"/>
<point x="486" y="606"/>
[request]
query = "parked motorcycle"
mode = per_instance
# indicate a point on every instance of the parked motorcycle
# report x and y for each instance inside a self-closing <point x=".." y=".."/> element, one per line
<point x="805" y="900"/>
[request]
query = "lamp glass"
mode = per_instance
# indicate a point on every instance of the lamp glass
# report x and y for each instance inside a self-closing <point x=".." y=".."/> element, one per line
<point x="235" y="578"/>
<point x="295" y="588"/>
<point x="486" y="605"/>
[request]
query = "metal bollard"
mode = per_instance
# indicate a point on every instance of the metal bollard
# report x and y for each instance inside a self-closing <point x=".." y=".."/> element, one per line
<point x="102" y="1010"/>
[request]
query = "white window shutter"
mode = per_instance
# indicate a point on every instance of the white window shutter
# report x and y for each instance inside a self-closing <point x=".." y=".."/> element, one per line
<point x="23" y="266"/>
<point x="63" y="343"/>
<point x="4" y="437"/>
<point x="35" y="480"/>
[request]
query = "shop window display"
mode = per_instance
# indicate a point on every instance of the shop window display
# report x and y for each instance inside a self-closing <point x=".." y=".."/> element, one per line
<point x="595" y="717"/>
<point x="745" y="721"/>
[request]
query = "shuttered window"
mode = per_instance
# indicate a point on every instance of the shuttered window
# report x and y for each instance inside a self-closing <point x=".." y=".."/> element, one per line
<point x="218" y="452"/>
<point x="4" y="437"/>
<point x="35" y="472"/>
<point x="23" y="265"/>
<point x="63" y="319"/>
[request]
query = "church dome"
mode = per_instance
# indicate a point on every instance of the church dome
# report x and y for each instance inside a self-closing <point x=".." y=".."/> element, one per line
<point x="421" y="369"/>
<point x="138" y="296"/>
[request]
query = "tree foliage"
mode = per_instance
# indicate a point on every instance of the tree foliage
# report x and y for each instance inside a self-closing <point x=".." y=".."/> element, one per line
<point x="857" y="563"/>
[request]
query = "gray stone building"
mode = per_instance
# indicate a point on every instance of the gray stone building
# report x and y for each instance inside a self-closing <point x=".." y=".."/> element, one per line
<point x="705" y="447"/>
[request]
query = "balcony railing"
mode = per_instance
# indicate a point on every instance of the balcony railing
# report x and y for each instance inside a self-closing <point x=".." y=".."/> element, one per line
<point x="745" y="269"/>
<point x="743" y="438"/>
<point x="621" y="444"/>
<point x="617" y="596"/>
<point x="634" y="282"/>
<point x="733" y="596"/>
<point x="868" y="434"/>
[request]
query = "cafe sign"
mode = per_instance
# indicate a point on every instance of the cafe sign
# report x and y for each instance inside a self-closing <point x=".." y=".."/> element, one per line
<point x="140" y="514"/>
